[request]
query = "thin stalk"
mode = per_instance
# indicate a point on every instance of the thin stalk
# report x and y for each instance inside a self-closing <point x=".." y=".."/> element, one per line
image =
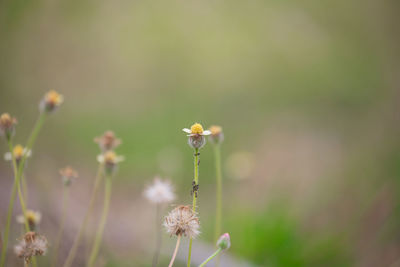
<point x="102" y="224"/>
<point x="178" y="241"/>
<point x="24" y="185"/>
<point x="158" y="236"/>
<point x="74" y="248"/>
<point x="61" y="229"/>
<point x="218" y="198"/>
<point x="195" y="192"/>
<point x="211" y="257"/>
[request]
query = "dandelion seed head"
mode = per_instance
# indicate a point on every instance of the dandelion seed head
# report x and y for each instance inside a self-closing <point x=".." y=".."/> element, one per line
<point x="182" y="221"/>
<point x="32" y="244"/>
<point x="159" y="191"/>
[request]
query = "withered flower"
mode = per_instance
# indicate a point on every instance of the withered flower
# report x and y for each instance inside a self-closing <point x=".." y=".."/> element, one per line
<point x="67" y="175"/>
<point x="32" y="244"/>
<point x="182" y="221"/>
<point x="108" y="141"/>
<point x="7" y="125"/>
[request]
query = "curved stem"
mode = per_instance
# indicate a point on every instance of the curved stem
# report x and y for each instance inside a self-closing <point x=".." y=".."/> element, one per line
<point x="158" y="236"/>
<point x="210" y="258"/>
<point x="178" y="241"/>
<point x="61" y="229"/>
<point x="195" y="192"/>
<point x="74" y="248"/>
<point x="102" y="224"/>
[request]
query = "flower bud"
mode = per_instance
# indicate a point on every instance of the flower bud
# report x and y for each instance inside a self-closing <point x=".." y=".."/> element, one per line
<point x="7" y="125"/>
<point x="67" y="174"/>
<point x="51" y="101"/>
<point x="224" y="242"/>
<point x="217" y="136"/>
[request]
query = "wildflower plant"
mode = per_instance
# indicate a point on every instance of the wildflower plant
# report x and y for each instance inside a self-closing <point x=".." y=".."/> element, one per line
<point x="32" y="218"/>
<point x="160" y="192"/>
<point x="108" y="161"/>
<point x="49" y="103"/>
<point x="196" y="140"/>
<point x="181" y="221"/>
<point x="68" y="174"/>
<point x="216" y="138"/>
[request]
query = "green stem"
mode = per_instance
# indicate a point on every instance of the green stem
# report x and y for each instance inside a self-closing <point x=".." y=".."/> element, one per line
<point x="61" y="229"/>
<point x="158" y="236"/>
<point x="102" y="224"/>
<point x="178" y="241"/>
<point x="24" y="188"/>
<point x="74" y="248"/>
<point x="217" y="152"/>
<point x="218" y="198"/>
<point x="195" y="189"/>
<point x="211" y="257"/>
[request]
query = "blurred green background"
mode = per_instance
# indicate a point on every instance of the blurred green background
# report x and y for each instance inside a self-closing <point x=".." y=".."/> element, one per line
<point x="306" y="92"/>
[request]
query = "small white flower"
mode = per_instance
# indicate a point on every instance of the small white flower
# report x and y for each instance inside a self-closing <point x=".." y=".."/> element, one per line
<point x="196" y="129"/>
<point x="33" y="217"/>
<point x="18" y="152"/>
<point x="110" y="158"/>
<point x="160" y="191"/>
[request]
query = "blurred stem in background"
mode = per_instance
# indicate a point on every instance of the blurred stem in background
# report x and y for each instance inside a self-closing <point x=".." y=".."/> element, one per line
<point x="65" y="203"/>
<point x="194" y="192"/>
<point x="18" y="170"/>
<point x="103" y="221"/>
<point x="24" y="185"/>
<point x="218" y="199"/>
<point x="158" y="235"/>
<point x="74" y="248"/>
<point x="178" y="241"/>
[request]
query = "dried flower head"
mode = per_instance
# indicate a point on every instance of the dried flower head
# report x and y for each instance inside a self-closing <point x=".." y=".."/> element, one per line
<point x="196" y="135"/>
<point x="51" y="101"/>
<point x="18" y="153"/>
<point x="67" y="175"/>
<point x="7" y="125"/>
<point x="224" y="242"/>
<point x="160" y="191"/>
<point x="108" y="141"/>
<point x="32" y="217"/>
<point x="32" y="244"/>
<point x="217" y="136"/>
<point x="110" y="160"/>
<point x="182" y="221"/>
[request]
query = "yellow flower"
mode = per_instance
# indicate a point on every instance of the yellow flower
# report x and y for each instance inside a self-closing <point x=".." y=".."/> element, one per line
<point x="18" y="152"/>
<point x="51" y="101"/>
<point x="196" y="129"/>
<point x="33" y="218"/>
<point x="217" y="136"/>
<point x="110" y="160"/>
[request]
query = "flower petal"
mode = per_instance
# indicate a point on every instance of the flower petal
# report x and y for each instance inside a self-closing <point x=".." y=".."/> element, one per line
<point x="8" y="156"/>
<point x="186" y="130"/>
<point x="206" y="132"/>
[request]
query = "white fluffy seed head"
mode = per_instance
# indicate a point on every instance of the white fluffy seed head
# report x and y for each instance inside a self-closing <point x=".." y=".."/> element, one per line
<point x="31" y="245"/>
<point x="159" y="191"/>
<point x="182" y="221"/>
